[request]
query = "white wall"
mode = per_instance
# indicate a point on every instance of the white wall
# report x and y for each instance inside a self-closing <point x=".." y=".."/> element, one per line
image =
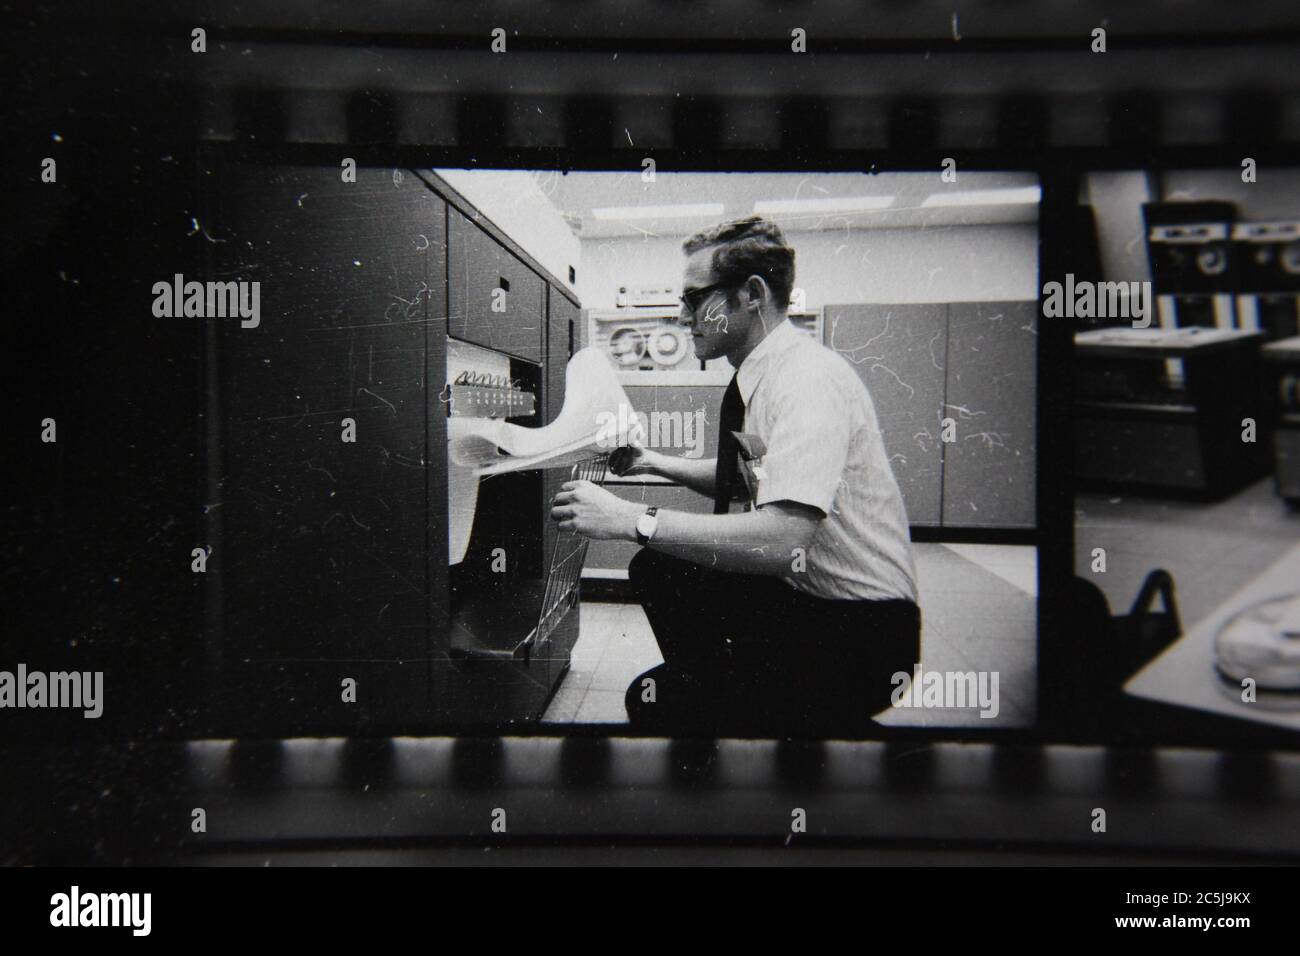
<point x="515" y="202"/>
<point x="975" y="263"/>
<point x="1117" y="199"/>
<point x="1275" y="194"/>
<point x="984" y="263"/>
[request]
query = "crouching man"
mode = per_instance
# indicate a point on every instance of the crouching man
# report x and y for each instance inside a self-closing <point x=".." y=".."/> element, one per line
<point x="788" y="610"/>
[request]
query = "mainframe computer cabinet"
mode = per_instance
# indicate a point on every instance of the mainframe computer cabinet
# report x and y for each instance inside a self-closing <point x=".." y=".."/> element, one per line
<point x="327" y="580"/>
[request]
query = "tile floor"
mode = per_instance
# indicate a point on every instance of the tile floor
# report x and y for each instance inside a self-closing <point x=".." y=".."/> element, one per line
<point x="1210" y="549"/>
<point x="978" y="603"/>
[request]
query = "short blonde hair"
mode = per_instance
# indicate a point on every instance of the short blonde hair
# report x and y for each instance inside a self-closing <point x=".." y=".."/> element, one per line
<point x="747" y="247"/>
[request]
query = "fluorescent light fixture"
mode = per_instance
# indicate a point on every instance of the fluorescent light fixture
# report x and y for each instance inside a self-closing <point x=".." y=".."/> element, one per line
<point x="785" y="207"/>
<point x="985" y="197"/>
<point x="686" y="210"/>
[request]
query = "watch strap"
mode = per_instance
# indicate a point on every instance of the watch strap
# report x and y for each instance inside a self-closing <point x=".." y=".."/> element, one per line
<point x="640" y="538"/>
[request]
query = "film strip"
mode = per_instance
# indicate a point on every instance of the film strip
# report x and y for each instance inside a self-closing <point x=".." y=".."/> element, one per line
<point x="994" y="91"/>
<point x="930" y="83"/>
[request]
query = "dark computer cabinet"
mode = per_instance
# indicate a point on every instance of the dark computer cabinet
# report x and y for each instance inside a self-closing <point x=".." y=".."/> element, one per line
<point x="495" y="299"/>
<point x="318" y="572"/>
<point x="1165" y="413"/>
<point x="330" y="605"/>
<point x="1281" y="377"/>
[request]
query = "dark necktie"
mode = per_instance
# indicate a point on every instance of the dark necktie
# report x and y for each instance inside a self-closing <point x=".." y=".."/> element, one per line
<point x="727" y="477"/>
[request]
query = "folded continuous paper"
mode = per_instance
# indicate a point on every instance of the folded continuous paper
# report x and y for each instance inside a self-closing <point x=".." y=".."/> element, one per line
<point x="462" y="499"/>
<point x="596" y="418"/>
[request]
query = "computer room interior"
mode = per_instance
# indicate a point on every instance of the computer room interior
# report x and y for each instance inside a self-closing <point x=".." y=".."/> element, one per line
<point x="1187" y="438"/>
<point x="347" y="547"/>
<point x="928" y="288"/>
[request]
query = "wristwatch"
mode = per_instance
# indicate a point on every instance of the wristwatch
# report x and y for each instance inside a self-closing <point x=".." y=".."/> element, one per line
<point x="646" y="526"/>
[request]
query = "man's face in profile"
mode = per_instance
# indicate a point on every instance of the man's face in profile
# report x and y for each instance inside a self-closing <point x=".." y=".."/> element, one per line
<point x="713" y="325"/>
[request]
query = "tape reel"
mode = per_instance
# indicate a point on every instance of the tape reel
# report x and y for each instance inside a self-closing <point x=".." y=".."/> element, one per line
<point x="1262" y="642"/>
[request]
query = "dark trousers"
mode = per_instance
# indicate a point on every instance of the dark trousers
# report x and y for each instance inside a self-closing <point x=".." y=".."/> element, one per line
<point x="748" y="654"/>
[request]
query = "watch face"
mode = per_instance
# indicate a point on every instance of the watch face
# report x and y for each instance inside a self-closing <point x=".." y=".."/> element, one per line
<point x="645" y="525"/>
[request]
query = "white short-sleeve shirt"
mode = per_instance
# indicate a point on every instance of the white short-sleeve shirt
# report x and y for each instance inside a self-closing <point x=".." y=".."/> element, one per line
<point x="824" y="449"/>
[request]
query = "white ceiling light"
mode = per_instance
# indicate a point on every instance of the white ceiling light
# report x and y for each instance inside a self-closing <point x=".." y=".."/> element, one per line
<point x="785" y="207"/>
<point x="985" y="197"/>
<point x="679" y="211"/>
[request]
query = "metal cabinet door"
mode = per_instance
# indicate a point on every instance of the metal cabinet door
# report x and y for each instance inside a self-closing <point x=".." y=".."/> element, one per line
<point x="494" y="299"/>
<point x="561" y="340"/>
<point x="561" y="313"/>
<point x="990" y="469"/>
<point x="319" y="570"/>
<point x="899" y="352"/>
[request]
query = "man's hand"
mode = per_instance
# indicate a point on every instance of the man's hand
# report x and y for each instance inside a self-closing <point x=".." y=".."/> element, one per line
<point x="595" y="513"/>
<point x="632" y="459"/>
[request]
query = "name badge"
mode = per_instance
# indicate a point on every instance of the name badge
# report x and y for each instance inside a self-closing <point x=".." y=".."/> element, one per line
<point x="752" y="449"/>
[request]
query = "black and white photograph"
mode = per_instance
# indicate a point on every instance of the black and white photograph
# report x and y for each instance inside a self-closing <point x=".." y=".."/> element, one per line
<point x="606" y="433"/>
<point x="568" y="408"/>
<point x="1186" y="435"/>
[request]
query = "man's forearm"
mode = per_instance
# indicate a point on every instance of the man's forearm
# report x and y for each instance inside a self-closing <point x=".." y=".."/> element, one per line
<point x="695" y="473"/>
<point x="754" y="542"/>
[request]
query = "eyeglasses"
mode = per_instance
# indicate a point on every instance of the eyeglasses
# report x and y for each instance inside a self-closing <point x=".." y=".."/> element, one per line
<point x="692" y="300"/>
